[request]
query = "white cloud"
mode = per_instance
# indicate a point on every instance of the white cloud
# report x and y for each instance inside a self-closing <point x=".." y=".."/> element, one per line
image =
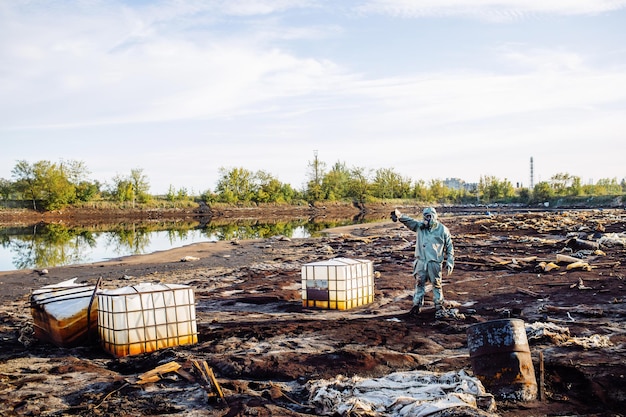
<point x="544" y="60"/>
<point x="497" y="10"/>
<point x="99" y="69"/>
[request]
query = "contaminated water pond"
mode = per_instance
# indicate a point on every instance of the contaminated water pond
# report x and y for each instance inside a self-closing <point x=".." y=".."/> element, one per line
<point x="48" y="245"/>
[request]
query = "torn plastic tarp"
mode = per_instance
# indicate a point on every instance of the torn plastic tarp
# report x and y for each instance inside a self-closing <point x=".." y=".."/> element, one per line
<point x="551" y="331"/>
<point x="613" y="239"/>
<point x="400" y="394"/>
<point x="561" y="336"/>
<point x="595" y="341"/>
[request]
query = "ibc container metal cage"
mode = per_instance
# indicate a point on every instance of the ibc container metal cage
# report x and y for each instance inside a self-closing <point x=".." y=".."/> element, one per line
<point x="146" y="317"/>
<point x="338" y="284"/>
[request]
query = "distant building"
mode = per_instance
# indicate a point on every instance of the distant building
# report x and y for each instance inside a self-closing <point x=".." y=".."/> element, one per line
<point x="459" y="184"/>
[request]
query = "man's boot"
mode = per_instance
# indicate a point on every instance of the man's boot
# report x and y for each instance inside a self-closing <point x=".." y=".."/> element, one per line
<point x="440" y="311"/>
<point x="415" y="310"/>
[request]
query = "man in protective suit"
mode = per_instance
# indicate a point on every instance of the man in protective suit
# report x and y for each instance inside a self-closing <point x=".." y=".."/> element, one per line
<point x="433" y="243"/>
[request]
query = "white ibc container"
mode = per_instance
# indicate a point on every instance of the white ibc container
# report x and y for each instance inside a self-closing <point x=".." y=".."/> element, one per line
<point x="338" y="284"/>
<point x="146" y="317"/>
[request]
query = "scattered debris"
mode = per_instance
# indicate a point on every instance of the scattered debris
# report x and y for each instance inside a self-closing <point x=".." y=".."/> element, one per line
<point x="613" y="239"/>
<point x="528" y="292"/>
<point x="581" y="310"/>
<point x="580" y="285"/>
<point x="400" y="394"/>
<point x="449" y="313"/>
<point x="157" y="373"/>
<point x="547" y="266"/>
<point x="579" y="265"/>
<point x="595" y="341"/>
<point x="539" y="330"/>
<point x="210" y="384"/>
<point x="189" y="258"/>
<point x="560" y="335"/>
<point x="582" y="244"/>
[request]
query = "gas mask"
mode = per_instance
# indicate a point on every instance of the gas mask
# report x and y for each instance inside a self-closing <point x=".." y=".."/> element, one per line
<point x="428" y="218"/>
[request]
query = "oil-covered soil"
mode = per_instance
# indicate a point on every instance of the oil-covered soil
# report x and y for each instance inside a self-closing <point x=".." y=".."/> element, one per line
<point x="264" y="346"/>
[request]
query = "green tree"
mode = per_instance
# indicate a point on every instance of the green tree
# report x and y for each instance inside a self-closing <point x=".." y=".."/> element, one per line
<point x="6" y="188"/>
<point x="235" y="185"/>
<point x="564" y="184"/>
<point x="335" y="182"/>
<point x="140" y="184"/>
<point x="58" y="189"/>
<point x="314" y="185"/>
<point x="543" y="191"/>
<point x="607" y="186"/>
<point x="176" y="195"/>
<point x="44" y="183"/>
<point x="524" y="195"/>
<point x="575" y="187"/>
<point x="421" y="192"/>
<point x="209" y="197"/>
<point x="438" y="190"/>
<point x="359" y="185"/>
<point x="492" y="189"/>
<point x="77" y="174"/>
<point x="122" y="189"/>
<point x="404" y="187"/>
<point x="389" y="184"/>
<point x="171" y="193"/>
<point x="131" y="188"/>
<point x="76" y="171"/>
<point x="87" y="190"/>
<point x="270" y="190"/>
<point x="25" y="181"/>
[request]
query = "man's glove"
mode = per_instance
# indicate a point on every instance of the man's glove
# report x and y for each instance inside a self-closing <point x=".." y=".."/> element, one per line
<point x="395" y="215"/>
<point x="449" y="269"/>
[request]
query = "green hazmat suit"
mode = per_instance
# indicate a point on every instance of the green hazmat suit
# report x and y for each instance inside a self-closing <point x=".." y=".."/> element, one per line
<point x="433" y="245"/>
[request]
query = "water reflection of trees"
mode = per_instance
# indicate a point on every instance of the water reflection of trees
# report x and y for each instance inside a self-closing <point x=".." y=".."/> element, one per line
<point x="132" y="240"/>
<point x="46" y="245"/>
<point x="250" y="229"/>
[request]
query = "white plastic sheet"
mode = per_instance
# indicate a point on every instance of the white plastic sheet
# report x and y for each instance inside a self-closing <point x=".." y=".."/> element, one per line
<point x="400" y="394"/>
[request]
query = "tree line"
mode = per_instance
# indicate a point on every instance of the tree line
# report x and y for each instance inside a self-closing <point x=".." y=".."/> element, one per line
<point x="47" y="185"/>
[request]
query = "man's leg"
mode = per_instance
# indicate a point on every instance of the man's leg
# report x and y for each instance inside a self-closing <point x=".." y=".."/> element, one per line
<point x="437" y="293"/>
<point x="434" y="274"/>
<point x="418" y="295"/>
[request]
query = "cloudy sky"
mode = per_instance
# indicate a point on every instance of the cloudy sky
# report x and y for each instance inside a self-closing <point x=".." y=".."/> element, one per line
<point x="433" y="89"/>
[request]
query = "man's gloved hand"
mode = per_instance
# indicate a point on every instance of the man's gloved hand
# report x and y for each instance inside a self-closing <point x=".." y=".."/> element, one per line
<point x="395" y="215"/>
<point x="449" y="269"/>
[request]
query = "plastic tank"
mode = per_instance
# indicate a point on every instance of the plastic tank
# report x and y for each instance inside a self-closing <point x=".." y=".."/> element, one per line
<point x="146" y="317"/>
<point x="338" y="284"/>
<point x="60" y="313"/>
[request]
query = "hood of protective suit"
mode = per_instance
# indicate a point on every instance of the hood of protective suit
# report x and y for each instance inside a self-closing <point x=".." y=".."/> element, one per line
<point x="433" y="213"/>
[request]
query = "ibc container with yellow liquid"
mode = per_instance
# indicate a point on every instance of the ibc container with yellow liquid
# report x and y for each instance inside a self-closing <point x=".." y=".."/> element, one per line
<point x="338" y="284"/>
<point x="62" y="315"/>
<point x="146" y="317"/>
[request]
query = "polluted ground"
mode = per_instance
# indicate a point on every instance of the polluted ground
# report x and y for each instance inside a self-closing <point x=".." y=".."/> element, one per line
<point x="553" y="281"/>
